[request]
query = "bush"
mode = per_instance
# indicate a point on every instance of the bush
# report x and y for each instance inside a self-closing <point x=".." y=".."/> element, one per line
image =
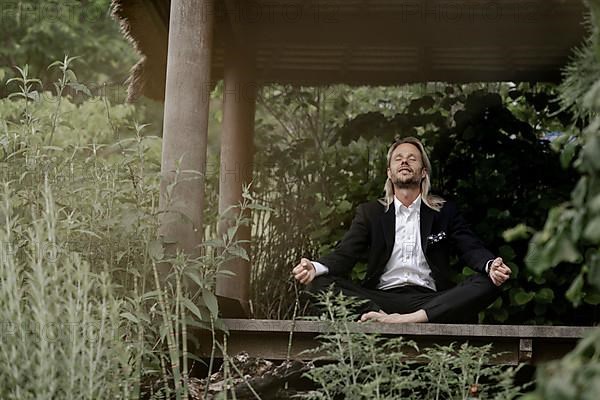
<point x="369" y="366"/>
<point x="85" y="312"/>
<point x="321" y="155"/>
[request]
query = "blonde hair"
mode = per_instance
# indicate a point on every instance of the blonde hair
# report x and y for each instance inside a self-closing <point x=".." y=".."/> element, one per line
<point x="432" y="201"/>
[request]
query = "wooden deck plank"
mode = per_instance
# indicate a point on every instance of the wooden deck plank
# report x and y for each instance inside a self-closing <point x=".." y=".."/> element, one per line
<point x="517" y="343"/>
<point x="461" y="330"/>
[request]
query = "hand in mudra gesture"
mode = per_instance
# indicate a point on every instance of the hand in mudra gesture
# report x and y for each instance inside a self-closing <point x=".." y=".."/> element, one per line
<point x="304" y="272"/>
<point x="499" y="272"/>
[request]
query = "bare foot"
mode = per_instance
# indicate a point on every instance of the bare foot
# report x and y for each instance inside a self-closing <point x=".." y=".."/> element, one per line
<point x="381" y="316"/>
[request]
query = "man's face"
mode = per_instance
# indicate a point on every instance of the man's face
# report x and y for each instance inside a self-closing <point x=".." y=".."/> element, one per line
<point x="406" y="166"/>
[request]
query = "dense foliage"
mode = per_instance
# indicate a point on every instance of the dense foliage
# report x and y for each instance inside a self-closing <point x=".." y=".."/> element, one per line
<point x="572" y="231"/>
<point x="85" y="313"/>
<point x="34" y="32"/>
<point x="369" y="366"/>
<point x="492" y="153"/>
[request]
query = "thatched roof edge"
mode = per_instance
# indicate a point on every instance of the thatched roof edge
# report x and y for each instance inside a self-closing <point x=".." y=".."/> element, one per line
<point x="145" y="25"/>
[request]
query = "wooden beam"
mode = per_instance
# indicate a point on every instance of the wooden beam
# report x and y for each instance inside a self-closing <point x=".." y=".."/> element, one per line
<point x="186" y="123"/>
<point x="271" y="339"/>
<point x="374" y="77"/>
<point x="237" y="155"/>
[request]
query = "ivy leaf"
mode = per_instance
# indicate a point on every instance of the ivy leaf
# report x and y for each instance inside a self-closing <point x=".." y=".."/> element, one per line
<point x="507" y="253"/>
<point x="520" y="297"/>
<point x="544" y="296"/>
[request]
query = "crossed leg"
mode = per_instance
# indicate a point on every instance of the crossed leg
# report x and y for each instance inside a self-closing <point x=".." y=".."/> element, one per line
<point x="414" y="303"/>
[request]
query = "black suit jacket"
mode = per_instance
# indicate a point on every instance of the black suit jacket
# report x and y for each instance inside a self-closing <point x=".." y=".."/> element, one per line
<point x="371" y="239"/>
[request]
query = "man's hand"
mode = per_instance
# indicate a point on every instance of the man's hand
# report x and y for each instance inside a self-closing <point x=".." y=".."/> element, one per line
<point x="499" y="272"/>
<point x="304" y="272"/>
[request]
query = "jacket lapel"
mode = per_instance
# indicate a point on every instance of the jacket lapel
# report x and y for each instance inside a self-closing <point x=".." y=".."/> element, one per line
<point x="425" y="225"/>
<point x="388" y="222"/>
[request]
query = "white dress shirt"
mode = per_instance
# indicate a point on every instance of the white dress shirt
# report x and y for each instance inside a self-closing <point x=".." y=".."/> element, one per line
<point x="407" y="264"/>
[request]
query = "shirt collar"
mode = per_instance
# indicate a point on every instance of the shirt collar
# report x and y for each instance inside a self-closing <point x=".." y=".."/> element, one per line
<point x="415" y="205"/>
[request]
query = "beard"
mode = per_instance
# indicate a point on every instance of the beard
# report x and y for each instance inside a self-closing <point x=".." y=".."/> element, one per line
<point x="410" y="180"/>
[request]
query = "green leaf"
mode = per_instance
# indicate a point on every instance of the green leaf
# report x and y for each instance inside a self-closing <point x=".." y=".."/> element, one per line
<point x="575" y="292"/>
<point x="196" y="358"/>
<point x="155" y="250"/>
<point x="215" y="243"/>
<point x="592" y="230"/>
<point x="594" y="271"/>
<point x="536" y="260"/>
<point x="507" y="253"/>
<point x="500" y="315"/>
<point x="520" y="297"/>
<point x="519" y="232"/>
<point x="591" y="150"/>
<point x="592" y="298"/>
<point x="594" y="204"/>
<point x="497" y="304"/>
<point x="239" y="252"/>
<point x="192" y="307"/>
<point x="210" y="300"/>
<point x="545" y="296"/>
<point x="164" y="330"/>
<point x="259" y="207"/>
<point x="130" y="317"/>
<point x="566" y="156"/>
<point x="231" y="232"/>
<point x="150" y="295"/>
<point x="70" y="75"/>
<point x="55" y="63"/>
<point x="344" y="206"/>
<point x="194" y="276"/>
<point x="80" y="87"/>
<point x="562" y="249"/>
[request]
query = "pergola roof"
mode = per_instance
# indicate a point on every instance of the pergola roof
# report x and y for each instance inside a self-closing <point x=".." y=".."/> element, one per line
<point x="370" y="42"/>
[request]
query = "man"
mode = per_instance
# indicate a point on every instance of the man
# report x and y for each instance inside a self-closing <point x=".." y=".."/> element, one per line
<point x="406" y="238"/>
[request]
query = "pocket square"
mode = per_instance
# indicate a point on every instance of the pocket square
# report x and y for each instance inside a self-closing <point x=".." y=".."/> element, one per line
<point x="436" y="237"/>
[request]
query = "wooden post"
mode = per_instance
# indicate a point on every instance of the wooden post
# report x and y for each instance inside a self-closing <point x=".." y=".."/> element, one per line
<point x="237" y="154"/>
<point x="185" y="126"/>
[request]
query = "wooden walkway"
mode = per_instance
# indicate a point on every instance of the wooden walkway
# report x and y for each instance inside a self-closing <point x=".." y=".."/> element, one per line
<point x="519" y="343"/>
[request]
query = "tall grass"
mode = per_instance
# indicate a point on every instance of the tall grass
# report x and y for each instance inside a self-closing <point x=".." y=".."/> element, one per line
<point x="62" y="329"/>
<point x="84" y="313"/>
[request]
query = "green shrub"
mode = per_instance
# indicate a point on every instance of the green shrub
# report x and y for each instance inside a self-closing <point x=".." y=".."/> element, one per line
<point x="369" y="366"/>
<point x="322" y="152"/>
<point x="81" y="249"/>
<point x="62" y="335"/>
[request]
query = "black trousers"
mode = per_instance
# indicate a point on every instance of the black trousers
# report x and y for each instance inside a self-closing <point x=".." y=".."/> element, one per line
<point x="460" y="304"/>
